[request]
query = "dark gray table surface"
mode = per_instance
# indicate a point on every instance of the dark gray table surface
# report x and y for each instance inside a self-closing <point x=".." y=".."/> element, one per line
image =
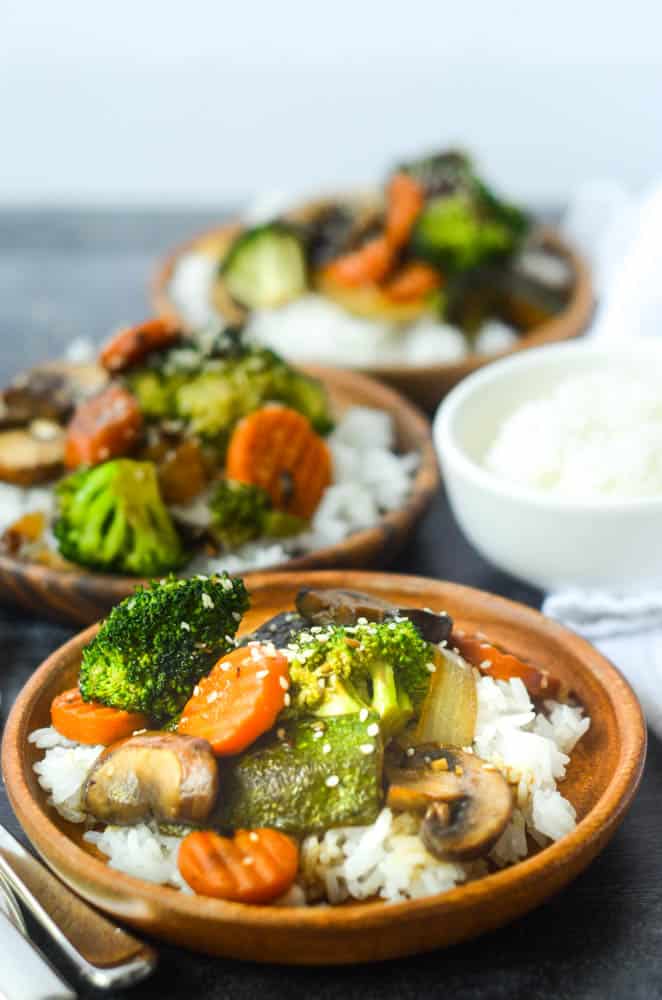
<point x="65" y="274"/>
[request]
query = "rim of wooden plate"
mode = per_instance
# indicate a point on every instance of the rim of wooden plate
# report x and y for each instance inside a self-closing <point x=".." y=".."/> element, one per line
<point x="488" y="902"/>
<point x="83" y="596"/>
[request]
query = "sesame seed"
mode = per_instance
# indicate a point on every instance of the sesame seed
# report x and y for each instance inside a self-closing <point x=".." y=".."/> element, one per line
<point x="367" y="748"/>
<point x="211" y="698"/>
<point x="207" y="601"/>
<point x="226" y="666"/>
<point x="485" y="664"/>
<point x="248" y="860"/>
<point x="431" y="667"/>
<point x="284" y="683"/>
<point x="287" y="700"/>
<point x="362" y="621"/>
<point x="326" y="748"/>
<point x="373" y="729"/>
<point x="253" y="836"/>
<point x="138" y="732"/>
<point x="411" y="751"/>
<point x="318" y="734"/>
<point x="280" y="733"/>
<point x="363" y="714"/>
<point x="196" y="689"/>
<point x="185" y="626"/>
<point x="332" y="781"/>
<point x="262" y="674"/>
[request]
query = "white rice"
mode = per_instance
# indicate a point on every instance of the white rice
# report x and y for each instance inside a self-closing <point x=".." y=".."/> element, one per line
<point x="369" y="479"/>
<point x="386" y="859"/>
<point x="595" y="434"/>
<point x="313" y="328"/>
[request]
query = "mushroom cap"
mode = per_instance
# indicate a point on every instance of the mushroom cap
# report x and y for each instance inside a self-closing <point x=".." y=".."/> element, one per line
<point x="336" y="606"/>
<point x="466" y="801"/>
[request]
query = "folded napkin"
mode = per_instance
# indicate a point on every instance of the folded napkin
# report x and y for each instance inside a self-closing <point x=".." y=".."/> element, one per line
<point x="622" y="237"/>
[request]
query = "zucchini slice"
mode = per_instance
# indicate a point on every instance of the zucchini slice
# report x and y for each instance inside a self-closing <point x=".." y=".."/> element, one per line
<point x="265" y="267"/>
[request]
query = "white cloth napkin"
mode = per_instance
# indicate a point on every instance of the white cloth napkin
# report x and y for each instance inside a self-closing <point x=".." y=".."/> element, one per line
<point x="622" y="237"/>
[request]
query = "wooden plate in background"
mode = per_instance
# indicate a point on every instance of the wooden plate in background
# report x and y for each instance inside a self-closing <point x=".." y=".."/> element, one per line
<point x="602" y="780"/>
<point x="84" y="597"/>
<point x="425" y="384"/>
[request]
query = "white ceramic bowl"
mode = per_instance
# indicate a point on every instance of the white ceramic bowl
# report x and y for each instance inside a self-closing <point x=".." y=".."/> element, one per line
<point x="547" y="540"/>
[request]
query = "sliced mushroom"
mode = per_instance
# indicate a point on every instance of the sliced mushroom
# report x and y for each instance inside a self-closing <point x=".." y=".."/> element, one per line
<point x="280" y="630"/>
<point x="31" y="455"/>
<point x="154" y="775"/>
<point x="345" y="607"/>
<point x="466" y="801"/>
<point x="48" y="392"/>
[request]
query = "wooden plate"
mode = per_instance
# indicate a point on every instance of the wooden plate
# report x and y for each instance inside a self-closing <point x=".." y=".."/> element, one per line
<point x="425" y="384"/>
<point x="602" y="779"/>
<point x="84" y="597"/>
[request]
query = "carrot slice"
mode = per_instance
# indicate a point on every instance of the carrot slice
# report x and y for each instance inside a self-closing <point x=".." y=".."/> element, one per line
<point x="277" y="449"/>
<point x="90" y="722"/>
<point x="405" y="198"/>
<point x="238" y="700"/>
<point x="495" y="662"/>
<point x="411" y="282"/>
<point x="370" y="264"/>
<point x="129" y="346"/>
<point x="102" y="427"/>
<point x="254" y="866"/>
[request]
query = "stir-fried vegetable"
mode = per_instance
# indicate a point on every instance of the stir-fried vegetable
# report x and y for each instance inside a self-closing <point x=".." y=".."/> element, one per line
<point x="450" y="707"/>
<point x="112" y="517"/>
<point x="90" y="722"/>
<point x="265" y="266"/>
<point x="494" y="662"/>
<point x="242" y="511"/>
<point x="307" y="776"/>
<point x="253" y="866"/>
<point x="276" y="449"/>
<point x="238" y="700"/>
<point x="156" y="645"/>
<point x="103" y="427"/>
<point x="131" y="346"/>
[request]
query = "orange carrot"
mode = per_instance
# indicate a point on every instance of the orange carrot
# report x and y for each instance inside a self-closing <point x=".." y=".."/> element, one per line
<point x="130" y="346"/>
<point x="404" y="199"/>
<point x="254" y="866"/>
<point x="370" y="264"/>
<point x="103" y="427"/>
<point x="277" y="449"/>
<point x="495" y="662"/>
<point x="90" y="722"/>
<point x="238" y="700"/>
<point x="411" y="282"/>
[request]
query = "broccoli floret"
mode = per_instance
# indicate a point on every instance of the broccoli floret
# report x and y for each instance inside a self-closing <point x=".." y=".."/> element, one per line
<point x="242" y="511"/>
<point x="156" y="391"/>
<point x="155" y="646"/>
<point x="112" y="517"/>
<point x="225" y="391"/>
<point x="383" y="668"/>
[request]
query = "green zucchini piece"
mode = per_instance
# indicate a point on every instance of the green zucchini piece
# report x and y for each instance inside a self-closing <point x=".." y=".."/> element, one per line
<point x="265" y="267"/>
<point x="290" y="784"/>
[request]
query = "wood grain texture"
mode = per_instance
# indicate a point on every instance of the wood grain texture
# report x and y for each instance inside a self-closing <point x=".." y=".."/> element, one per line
<point x="427" y="384"/>
<point x="84" y="597"/>
<point x="602" y="780"/>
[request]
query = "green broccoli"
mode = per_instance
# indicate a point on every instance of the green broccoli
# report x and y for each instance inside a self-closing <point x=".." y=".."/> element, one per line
<point x="453" y="235"/>
<point x="242" y="511"/>
<point x="112" y="517"/>
<point x="382" y="668"/>
<point x="155" y="646"/>
<point x="222" y="389"/>
<point x="464" y="223"/>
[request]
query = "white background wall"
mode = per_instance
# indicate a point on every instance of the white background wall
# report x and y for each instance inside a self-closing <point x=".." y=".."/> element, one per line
<point x="207" y="101"/>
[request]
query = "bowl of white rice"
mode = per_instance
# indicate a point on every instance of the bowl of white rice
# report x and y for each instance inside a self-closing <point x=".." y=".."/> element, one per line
<point x="553" y="463"/>
<point x="573" y="767"/>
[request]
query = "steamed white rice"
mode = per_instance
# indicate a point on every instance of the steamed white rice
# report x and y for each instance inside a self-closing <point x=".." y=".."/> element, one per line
<point x="313" y="328"/>
<point x="369" y="479"/>
<point x="386" y="859"/>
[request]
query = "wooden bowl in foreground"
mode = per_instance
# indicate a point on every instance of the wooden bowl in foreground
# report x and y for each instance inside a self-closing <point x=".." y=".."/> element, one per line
<point x="602" y="780"/>
<point x="425" y="384"/>
<point x="84" y="597"/>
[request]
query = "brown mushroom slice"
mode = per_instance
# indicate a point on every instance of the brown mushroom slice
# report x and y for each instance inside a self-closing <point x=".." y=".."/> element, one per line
<point x="154" y="775"/>
<point x="466" y="802"/>
<point x="31" y="455"/>
<point x="335" y="606"/>
<point x="48" y="392"/>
